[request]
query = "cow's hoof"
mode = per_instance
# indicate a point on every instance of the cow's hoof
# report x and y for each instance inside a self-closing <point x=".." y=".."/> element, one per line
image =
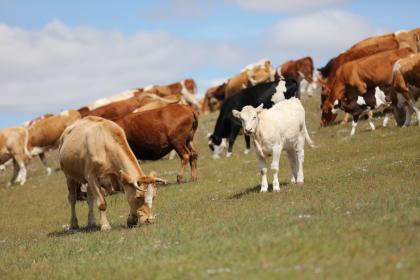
<point x="264" y="190"/>
<point x="246" y="151"/>
<point x="105" y="227"/>
<point x="179" y="179"/>
<point x="229" y="154"/>
<point x="276" y="189"/>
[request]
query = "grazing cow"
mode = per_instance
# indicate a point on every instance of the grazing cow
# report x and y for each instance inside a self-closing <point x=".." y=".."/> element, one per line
<point x="13" y="146"/>
<point x="213" y="98"/>
<point x="361" y="105"/>
<point x="154" y="133"/>
<point x="357" y="77"/>
<point x="300" y="70"/>
<point x="367" y="47"/>
<point x="251" y="75"/>
<point x="94" y="151"/>
<point x="45" y="133"/>
<point x="281" y="127"/>
<point x="227" y="126"/>
<point x="406" y="73"/>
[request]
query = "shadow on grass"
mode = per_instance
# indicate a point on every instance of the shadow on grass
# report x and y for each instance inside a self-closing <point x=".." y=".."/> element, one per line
<point x="66" y="232"/>
<point x="255" y="189"/>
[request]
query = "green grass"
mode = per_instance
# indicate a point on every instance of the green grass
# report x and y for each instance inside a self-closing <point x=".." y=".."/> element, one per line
<point x="356" y="217"/>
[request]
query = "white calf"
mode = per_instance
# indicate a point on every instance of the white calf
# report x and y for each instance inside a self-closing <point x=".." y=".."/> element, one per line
<point x="281" y="127"/>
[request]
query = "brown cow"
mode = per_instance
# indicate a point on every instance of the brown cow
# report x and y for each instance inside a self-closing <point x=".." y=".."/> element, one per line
<point x="358" y="77"/>
<point x="300" y="70"/>
<point x="119" y="109"/>
<point x="213" y="98"/>
<point x="94" y="151"/>
<point x="406" y="72"/>
<point x="13" y="145"/>
<point x="153" y="134"/>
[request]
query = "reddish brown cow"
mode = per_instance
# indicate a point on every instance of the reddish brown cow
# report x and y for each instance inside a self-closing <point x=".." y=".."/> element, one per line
<point x="300" y="70"/>
<point x="357" y="77"/>
<point x="153" y="134"/>
<point x="406" y="72"/>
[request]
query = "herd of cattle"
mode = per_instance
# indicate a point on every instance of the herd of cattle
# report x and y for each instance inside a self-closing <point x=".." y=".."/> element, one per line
<point x="100" y="145"/>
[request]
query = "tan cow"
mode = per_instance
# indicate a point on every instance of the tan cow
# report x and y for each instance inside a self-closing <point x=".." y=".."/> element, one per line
<point x="13" y="146"/>
<point x="94" y="151"/>
<point x="44" y="133"/>
<point x="406" y="73"/>
<point x="251" y="75"/>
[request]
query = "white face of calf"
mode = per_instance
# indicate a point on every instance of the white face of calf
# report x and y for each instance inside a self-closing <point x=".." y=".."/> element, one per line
<point x="249" y="118"/>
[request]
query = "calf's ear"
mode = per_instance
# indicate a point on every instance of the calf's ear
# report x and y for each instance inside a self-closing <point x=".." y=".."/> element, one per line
<point x="236" y="113"/>
<point x="259" y="108"/>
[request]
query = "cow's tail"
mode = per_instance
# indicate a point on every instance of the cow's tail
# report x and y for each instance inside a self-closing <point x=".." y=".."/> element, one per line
<point x="308" y="139"/>
<point x="194" y="123"/>
<point x="26" y="143"/>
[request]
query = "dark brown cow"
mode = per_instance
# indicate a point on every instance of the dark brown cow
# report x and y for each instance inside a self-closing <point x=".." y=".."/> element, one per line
<point x="358" y="77"/>
<point x="153" y="134"/>
<point x="300" y="70"/>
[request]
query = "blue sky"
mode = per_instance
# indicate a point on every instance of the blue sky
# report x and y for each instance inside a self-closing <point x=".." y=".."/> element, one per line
<point x="56" y="55"/>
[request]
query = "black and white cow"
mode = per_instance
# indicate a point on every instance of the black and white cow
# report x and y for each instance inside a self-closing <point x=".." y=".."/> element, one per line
<point x="228" y="126"/>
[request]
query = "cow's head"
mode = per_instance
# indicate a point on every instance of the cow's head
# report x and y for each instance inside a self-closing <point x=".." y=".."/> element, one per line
<point x="249" y="118"/>
<point x="216" y="145"/>
<point x="329" y="113"/>
<point x="140" y="195"/>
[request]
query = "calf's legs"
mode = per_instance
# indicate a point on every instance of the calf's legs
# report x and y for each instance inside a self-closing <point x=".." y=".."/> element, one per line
<point x="275" y="166"/>
<point x="101" y="203"/>
<point x="263" y="170"/>
<point x="72" y="197"/>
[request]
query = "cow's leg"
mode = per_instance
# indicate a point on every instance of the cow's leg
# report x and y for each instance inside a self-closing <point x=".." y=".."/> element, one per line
<point x="247" y="144"/>
<point x="172" y="155"/>
<point x="184" y="154"/>
<point x="232" y="137"/>
<point x="263" y="170"/>
<point x="408" y="113"/>
<point x="354" y="125"/>
<point x="413" y="106"/>
<point x="100" y="202"/>
<point x="91" y="214"/>
<point x="15" y="173"/>
<point x="21" y="177"/>
<point x="370" y="121"/>
<point x="72" y="197"/>
<point x="300" y="152"/>
<point x="293" y="160"/>
<point x="193" y="161"/>
<point x="346" y="118"/>
<point x="45" y="163"/>
<point x="275" y="167"/>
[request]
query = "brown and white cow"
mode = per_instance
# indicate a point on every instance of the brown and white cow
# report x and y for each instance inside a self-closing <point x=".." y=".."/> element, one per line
<point x="94" y="151"/>
<point x="153" y="134"/>
<point x="213" y="98"/>
<point x="119" y="109"/>
<point x="44" y="133"/>
<point x="301" y="70"/>
<point x="13" y="146"/>
<point x="359" y="77"/>
<point x="406" y="73"/>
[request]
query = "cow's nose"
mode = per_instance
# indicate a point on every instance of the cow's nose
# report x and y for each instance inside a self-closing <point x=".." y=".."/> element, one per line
<point x="248" y="130"/>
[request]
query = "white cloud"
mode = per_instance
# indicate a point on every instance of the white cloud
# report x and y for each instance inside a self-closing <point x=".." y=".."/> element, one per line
<point x="322" y="35"/>
<point x="282" y="6"/>
<point x="60" y="67"/>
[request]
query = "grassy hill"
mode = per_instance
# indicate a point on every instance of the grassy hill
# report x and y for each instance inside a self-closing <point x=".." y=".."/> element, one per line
<point x="357" y="216"/>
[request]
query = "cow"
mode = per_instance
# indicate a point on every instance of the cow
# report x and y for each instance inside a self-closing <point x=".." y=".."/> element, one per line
<point x="187" y="88"/>
<point x="251" y="75"/>
<point x="300" y="70"/>
<point x="159" y="102"/>
<point x="119" y="109"/>
<point x="406" y="84"/>
<point x="44" y="133"/>
<point x="154" y="133"/>
<point x="282" y="127"/>
<point x="358" y="77"/>
<point x="367" y="47"/>
<point x="227" y="126"/>
<point x="14" y="146"/>
<point x="94" y="151"/>
<point x="213" y="98"/>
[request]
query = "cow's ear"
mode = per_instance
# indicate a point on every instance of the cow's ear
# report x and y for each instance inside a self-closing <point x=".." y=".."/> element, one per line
<point x="236" y="113"/>
<point x="259" y="108"/>
<point x="125" y="177"/>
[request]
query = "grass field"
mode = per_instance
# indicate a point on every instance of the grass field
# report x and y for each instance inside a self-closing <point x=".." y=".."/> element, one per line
<point x="356" y="217"/>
